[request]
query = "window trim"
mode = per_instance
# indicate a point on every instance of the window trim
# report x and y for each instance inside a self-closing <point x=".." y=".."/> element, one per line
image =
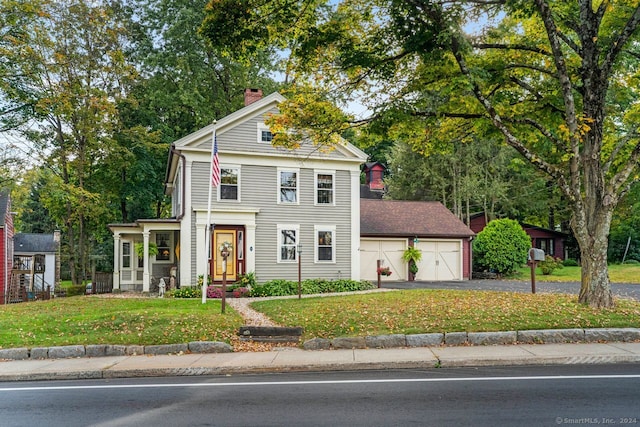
<point x="279" y="188"/>
<point x="238" y="199"/>
<point x="128" y="256"/>
<point x="316" y="245"/>
<point x="316" y="189"/>
<point x="280" y="228"/>
<point x="262" y="127"/>
<point x="168" y="247"/>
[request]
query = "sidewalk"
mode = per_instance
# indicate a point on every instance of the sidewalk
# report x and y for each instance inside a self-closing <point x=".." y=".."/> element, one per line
<point x="296" y="360"/>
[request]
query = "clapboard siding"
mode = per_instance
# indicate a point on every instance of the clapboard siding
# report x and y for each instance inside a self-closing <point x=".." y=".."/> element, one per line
<point x="244" y="138"/>
<point x="258" y="188"/>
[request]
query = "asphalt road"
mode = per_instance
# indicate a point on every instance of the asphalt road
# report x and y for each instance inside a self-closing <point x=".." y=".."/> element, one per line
<point x="621" y="290"/>
<point x="506" y="396"/>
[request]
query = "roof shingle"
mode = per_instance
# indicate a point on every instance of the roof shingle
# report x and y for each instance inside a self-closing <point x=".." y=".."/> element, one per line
<point x="409" y="218"/>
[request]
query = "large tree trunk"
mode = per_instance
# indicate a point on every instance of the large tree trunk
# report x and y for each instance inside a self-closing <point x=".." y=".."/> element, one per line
<point x="592" y="237"/>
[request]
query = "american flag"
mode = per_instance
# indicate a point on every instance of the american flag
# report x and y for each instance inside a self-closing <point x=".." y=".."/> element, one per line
<point x="215" y="164"/>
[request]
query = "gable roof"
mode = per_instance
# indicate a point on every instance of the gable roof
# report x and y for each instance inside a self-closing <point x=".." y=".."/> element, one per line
<point x="34" y="243"/>
<point x="200" y="140"/>
<point x="395" y="218"/>
<point x="4" y="205"/>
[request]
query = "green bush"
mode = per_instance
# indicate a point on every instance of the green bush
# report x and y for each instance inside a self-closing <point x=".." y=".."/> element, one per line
<point x="631" y="261"/>
<point x="75" y="290"/>
<point x="570" y="263"/>
<point x="501" y="247"/>
<point x="549" y="264"/>
<point x="309" y="286"/>
<point x="186" y="292"/>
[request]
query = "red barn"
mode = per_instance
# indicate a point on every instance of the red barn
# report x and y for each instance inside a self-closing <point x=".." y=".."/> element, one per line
<point x="550" y="241"/>
<point x="6" y="244"/>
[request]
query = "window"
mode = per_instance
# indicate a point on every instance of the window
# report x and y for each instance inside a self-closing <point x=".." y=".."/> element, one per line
<point x="324" y="188"/>
<point x="126" y="254"/>
<point x="325" y="243"/>
<point x="264" y="134"/>
<point x="288" y="243"/>
<point x="288" y="186"/>
<point x="164" y="246"/>
<point x="229" y="179"/>
<point x="177" y="192"/>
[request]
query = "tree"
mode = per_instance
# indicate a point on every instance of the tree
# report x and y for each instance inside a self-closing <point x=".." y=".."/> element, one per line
<point x="502" y="246"/>
<point x="63" y="71"/>
<point x="553" y="78"/>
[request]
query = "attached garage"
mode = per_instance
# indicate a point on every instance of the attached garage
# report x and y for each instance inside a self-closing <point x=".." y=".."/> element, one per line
<point x="389" y="251"/>
<point x="388" y="227"/>
<point x="441" y="260"/>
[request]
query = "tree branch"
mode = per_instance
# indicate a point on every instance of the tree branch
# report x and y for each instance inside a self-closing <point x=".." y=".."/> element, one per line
<point x="511" y="47"/>
<point x="618" y="44"/>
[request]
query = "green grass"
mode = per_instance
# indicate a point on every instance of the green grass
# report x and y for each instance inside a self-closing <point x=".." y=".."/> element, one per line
<point x="92" y="320"/>
<point x="147" y="321"/>
<point x="618" y="273"/>
<point x="424" y="311"/>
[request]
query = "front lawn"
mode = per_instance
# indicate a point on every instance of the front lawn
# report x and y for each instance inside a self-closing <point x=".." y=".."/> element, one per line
<point x="618" y="273"/>
<point x="97" y="320"/>
<point x="423" y="311"/>
<point x="146" y="321"/>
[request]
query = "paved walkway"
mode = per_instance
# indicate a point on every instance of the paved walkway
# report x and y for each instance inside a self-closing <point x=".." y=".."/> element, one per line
<point x="295" y="360"/>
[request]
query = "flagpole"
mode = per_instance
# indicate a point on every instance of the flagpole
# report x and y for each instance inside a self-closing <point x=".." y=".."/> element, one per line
<point x="208" y="225"/>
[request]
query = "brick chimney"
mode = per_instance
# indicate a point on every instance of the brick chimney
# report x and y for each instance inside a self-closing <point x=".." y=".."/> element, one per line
<point x="251" y="96"/>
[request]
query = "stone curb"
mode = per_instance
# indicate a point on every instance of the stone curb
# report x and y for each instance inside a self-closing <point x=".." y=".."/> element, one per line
<point x="542" y="336"/>
<point x="102" y="350"/>
<point x="550" y="336"/>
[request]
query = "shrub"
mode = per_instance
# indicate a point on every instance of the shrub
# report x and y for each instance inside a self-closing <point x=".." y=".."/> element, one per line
<point x="569" y="262"/>
<point x="549" y="264"/>
<point x="214" y="292"/>
<point x="246" y="280"/>
<point x="241" y="292"/>
<point x="186" y="292"/>
<point x="631" y="261"/>
<point x="501" y="247"/>
<point x="309" y="286"/>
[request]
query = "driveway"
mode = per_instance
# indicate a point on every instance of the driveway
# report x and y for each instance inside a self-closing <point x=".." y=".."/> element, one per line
<point x="620" y="290"/>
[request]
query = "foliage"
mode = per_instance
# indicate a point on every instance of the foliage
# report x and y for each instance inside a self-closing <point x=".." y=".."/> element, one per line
<point x="384" y="271"/>
<point x="309" y="286"/>
<point x="412" y="254"/>
<point x="139" y="248"/>
<point x="186" y="292"/>
<point x="570" y="262"/>
<point x="241" y="292"/>
<point x="553" y="79"/>
<point x="550" y="264"/>
<point x="214" y="292"/>
<point x="246" y="280"/>
<point x="502" y="246"/>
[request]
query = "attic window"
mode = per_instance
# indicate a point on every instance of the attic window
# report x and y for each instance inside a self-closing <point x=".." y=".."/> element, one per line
<point x="264" y="134"/>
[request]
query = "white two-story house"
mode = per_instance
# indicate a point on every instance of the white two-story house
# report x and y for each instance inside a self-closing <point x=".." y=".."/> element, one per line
<point x="276" y="207"/>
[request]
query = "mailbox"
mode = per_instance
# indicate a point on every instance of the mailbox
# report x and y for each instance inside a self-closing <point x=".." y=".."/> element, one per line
<point x="536" y="255"/>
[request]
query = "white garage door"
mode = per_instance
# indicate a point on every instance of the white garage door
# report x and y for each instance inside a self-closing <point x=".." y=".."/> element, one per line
<point x="389" y="250"/>
<point x="441" y="260"/>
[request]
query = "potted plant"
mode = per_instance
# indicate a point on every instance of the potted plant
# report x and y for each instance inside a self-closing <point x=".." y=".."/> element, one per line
<point x="412" y="256"/>
<point x="139" y="248"/>
<point x="384" y="271"/>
